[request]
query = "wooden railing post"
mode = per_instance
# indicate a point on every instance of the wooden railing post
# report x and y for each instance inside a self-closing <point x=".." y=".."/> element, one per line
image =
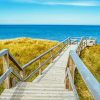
<point x="40" y="70"/>
<point x="5" y="67"/>
<point x="80" y="46"/>
<point x="14" y="82"/>
<point x="67" y="83"/>
<point x="69" y="41"/>
<point x="83" y="44"/>
<point x="78" y="51"/>
<point x="86" y="42"/>
<point x="72" y="67"/>
<point x="61" y="49"/>
<point x="22" y="73"/>
<point x="51" y="56"/>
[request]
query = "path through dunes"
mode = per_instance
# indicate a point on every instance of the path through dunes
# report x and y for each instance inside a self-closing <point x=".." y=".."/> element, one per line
<point x="47" y="86"/>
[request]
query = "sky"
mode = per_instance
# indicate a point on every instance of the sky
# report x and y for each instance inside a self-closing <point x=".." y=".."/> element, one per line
<point x="57" y="12"/>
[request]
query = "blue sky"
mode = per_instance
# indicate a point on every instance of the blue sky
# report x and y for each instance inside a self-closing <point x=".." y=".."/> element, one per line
<point x="73" y="12"/>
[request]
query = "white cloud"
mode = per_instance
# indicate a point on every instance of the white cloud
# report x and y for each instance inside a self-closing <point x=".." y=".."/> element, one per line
<point x="23" y="1"/>
<point x="73" y="3"/>
<point x="63" y="3"/>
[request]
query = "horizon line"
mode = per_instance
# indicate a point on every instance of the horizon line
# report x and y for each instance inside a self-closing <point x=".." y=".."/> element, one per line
<point x="57" y="24"/>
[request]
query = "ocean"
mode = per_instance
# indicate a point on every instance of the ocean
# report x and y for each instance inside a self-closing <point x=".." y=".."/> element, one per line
<point x="50" y="32"/>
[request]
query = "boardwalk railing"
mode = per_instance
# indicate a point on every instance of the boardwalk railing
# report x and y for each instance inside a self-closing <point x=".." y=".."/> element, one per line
<point x="74" y="62"/>
<point x="7" y="69"/>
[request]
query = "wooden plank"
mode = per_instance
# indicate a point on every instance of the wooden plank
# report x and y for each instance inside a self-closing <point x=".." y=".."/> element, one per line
<point x="5" y="75"/>
<point x="56" y="74"/>
<point x="16" y="74"/>
<point x="72" y="84"/>
<point x="35" y="71"/>
<point x="15" y="61"/>
<point x="40" y="70"/>
<point x="3" y="52"/>
<point x="5" y="68"/>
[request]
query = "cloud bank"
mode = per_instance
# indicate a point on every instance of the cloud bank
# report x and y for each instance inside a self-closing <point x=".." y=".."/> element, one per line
<point x="62" y="3"/>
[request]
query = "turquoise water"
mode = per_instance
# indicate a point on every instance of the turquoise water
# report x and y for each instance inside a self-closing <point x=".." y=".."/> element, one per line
<point x="51" y="32"/>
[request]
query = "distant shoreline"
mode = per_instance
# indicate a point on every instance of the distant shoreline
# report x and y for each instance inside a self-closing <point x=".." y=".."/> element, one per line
<point x="28" y="38"/>
<point x="42" y="25"/>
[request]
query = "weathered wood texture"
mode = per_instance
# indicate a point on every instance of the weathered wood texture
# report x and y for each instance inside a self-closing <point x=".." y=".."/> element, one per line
<point x="5" y="68"/>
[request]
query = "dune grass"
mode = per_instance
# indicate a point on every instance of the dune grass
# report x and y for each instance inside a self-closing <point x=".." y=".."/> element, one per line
<point x="24" y="50"/>
<point x="91" y="58"/>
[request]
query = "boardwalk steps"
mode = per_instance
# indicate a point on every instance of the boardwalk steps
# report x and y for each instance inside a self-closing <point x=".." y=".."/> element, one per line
<point x="56" y="82"/>
<point x="32" y="91"/>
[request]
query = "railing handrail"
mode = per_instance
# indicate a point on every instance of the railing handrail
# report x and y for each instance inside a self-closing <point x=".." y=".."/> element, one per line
<point x="7" y="73"/>
<point x="21" y="68"/>
<point x="90" y="81"/>
<point x="92" y="84"/>
<point x="81" y="41"/>
<point x="14" y="61"/>
<point x="3" y="52"/>
<point x="33" y="60"/>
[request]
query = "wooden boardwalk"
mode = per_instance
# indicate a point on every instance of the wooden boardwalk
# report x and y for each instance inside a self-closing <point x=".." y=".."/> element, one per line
<point x="47" y="86"/>
<point x="56" y="82"/>
<point x="55" y="72"/>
